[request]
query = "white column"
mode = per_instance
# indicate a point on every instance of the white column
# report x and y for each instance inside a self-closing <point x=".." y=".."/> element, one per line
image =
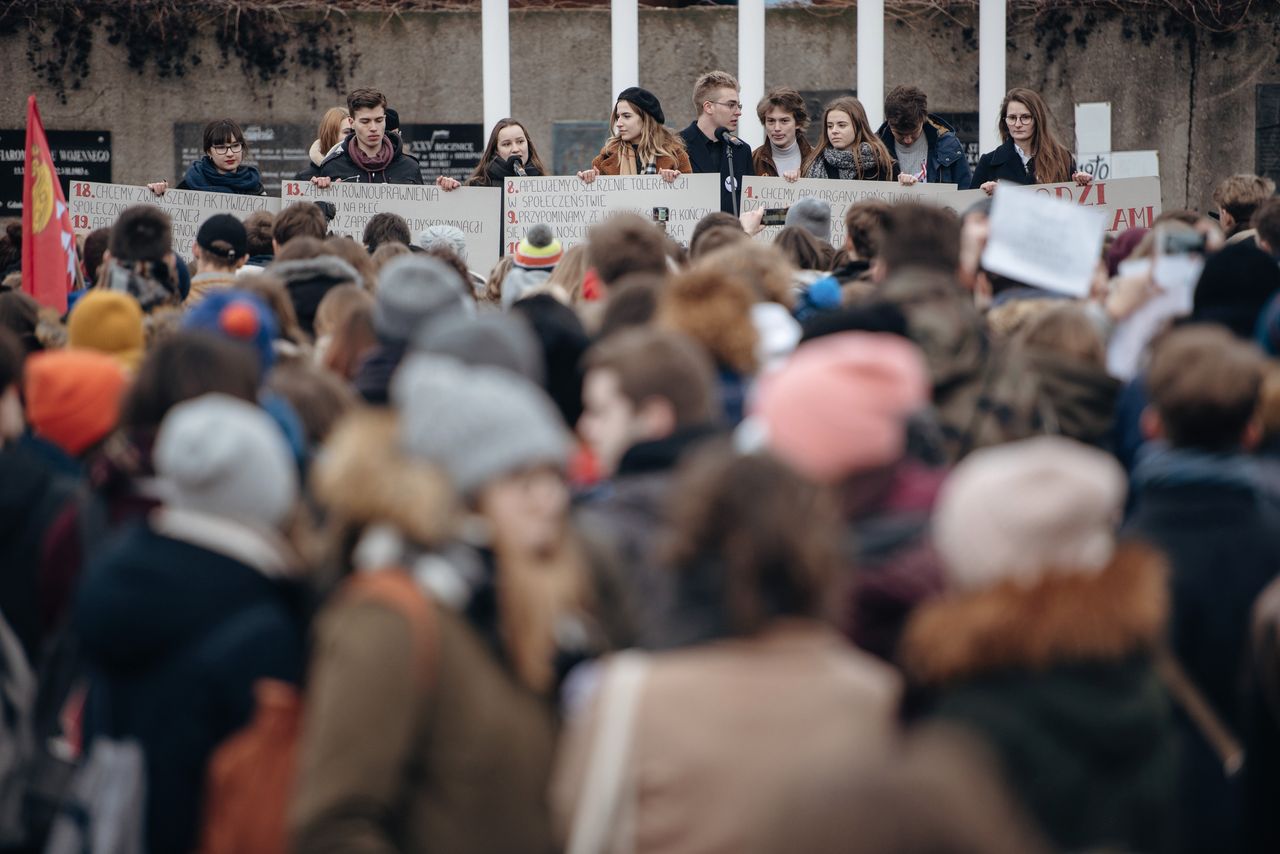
<point x="625" y="20"/>
<point x="495" y="56"/>
<point x="991" y="71"/>
<point x="751" y="68"/>
<point x="871" y="60"/>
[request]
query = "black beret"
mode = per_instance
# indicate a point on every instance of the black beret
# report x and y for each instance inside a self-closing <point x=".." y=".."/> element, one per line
<point x="643" y="99"/>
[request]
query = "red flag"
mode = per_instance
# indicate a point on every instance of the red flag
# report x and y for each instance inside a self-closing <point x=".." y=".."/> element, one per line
<point x="48" y="243"/>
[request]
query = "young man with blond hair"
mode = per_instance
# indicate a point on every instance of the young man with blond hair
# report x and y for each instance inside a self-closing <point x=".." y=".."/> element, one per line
<point x="711" y="138"/>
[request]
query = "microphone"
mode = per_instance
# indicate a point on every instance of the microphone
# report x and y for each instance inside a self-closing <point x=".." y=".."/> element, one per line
<point x="517" y="165"/>
<point x="723" y="135"/>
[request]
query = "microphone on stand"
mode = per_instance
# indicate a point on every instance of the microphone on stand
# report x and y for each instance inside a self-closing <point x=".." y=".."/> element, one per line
<point x="724" y="135"/>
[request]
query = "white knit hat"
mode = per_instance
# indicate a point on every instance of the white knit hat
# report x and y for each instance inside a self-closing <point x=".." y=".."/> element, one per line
<point x="226" y="457"/>
<point x="1028" y="509"/>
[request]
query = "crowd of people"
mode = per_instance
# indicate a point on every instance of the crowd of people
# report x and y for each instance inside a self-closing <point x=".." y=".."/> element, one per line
<point x="311" y="544"/>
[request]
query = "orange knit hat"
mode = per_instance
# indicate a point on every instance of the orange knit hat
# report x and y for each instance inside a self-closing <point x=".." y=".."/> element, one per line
<point x="73" y="397"/>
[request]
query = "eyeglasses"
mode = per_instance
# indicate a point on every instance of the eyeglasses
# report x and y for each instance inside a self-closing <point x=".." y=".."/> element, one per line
<point x="1019" y="120"/>
<point x="233" y="148"/>
<point x="732" y="105"/>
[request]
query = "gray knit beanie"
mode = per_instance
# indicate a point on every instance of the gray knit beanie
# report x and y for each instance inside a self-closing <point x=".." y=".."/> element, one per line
<point x="813" y="215"/>
<point x="492" y="339"/>
<point x="478" y="423"/>
<point x="448" y="236"/>
<point x="413" y="289"/>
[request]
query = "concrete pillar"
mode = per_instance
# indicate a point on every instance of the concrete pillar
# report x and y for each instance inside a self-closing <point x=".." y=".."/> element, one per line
<point x="496" y="60"/>
<point x="871" y="60"/>
<point x="751" y="68"/>
<point x="625" y="19"/>
<point x="991" y="71"/>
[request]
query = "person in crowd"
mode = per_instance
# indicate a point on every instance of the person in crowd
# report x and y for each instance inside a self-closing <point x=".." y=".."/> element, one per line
<point x="838" y="413"/>
<point x="463" y="677"/>
<point x="849" y="150"/>
<point x="1237" y="199"/>
<point x="1030" y="152"/>
<point x="258" y="227"/>
<point x="785" y="118"/>
<point x="570" y="273"/>
<point x="308" y="272"/>
<point x="300" y="219"/>
<point x="140" y="260"/>
<point x="95" y="247"/>
<point x="348" y="337"/>
<point x="640" y="143"/>
<point x="509" y="145"/>
<point x="737" y="735"/>
<point x="1045" y="642"/>
<point x="814" y="216"/>
<point x="335" y="126"/>
<point x="189" y="610"/>
<point x="222" y="248"/>
<point x="923" y="146"/>
<point x="535" y="260"/>
<point x="111" y="323"/>
<point x="1199" y="497"/>
<point x="623" y="244"/>
<point x="711" y="138"/>
<point x="1266" y="222"/>
<point x="385" y="227"/>
<point x="562" y="342"/>
<point x="649" y="397"/>
<point x="808" y="254"/>
<point x="369" y="155"/>
<point x="413" y="290"/>
<point x="222" y="169"/>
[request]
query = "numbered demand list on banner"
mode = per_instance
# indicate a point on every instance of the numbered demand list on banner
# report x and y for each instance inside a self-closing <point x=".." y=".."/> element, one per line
<point x="96" y="206"/>
<point x="571" y="206"/>
<point x="475" y="211"/>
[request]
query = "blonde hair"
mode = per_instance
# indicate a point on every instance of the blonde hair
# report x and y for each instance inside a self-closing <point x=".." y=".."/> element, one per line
<point x="710" y="82"/>
<point x="330" y="133"/>
<point x="655" y="140"/>
<point x="570" y="272"/>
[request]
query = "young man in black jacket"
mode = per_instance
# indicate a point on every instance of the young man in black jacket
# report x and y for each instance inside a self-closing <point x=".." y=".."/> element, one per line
<point x="370" y="155"/>
<point x="717" y="98"/>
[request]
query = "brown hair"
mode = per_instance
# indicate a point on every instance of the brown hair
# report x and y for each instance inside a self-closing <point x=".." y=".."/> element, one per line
<point x="1053" y="161"/>
<point x="317" y="396"/>
<point x="757" y="537"/>
<point x="330" y="132"/>
<point x="788" y="100"/>
<point x="341" y="246"/>
<point x="864" y="226"/>
<point x="1240" y="196"/>
<point x="300" y="219"/>
<point x="710" y="82"/>
<point x="383" y="228"/>
<point x="905" y="107"/>
<point x="273" y="292"/>
<point x="480" y="175"/>
<point x="365" y="99"/>
<point x="920" y="235"/>
<point x="12" y="355"/>
<point x="337" y="304"/>
<point x="714" y="309"/>
<point x="570" y="272"/>
<point x="1068" y="331"/>
<point x="183" y="366"/>
<point x="803" y="250"/>
<point x="386" y="252"/>
<point x="626" y="243"/>
<point x="633" y="302"/>
<point x="353" y="337"/>
<point x="714" y="239"/>
<point x="1267" y="220"/>
<point x="1204" y="384"/>
<point x="222" y="132"/>
<point x="493" y="284"/>
<point x="759" y="266"/>
<point x="258" y="227"/>
<point x="653" y="363"/>
<point x="853" y="108"/>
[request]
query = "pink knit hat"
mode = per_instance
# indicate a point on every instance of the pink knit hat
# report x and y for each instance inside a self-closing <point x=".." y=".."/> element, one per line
<point x="840" y="404"/>
<point x="1021" y="511"/>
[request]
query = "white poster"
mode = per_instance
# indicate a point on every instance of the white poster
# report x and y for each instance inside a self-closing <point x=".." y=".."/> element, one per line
<point x="571" y="206"/>
<point x="1126" y="202"/>
<point x="1041" y="240"/>
<point x="1110" y="165"/>
<point x="778" y="193"/>
<point x="96" y="206"/>
<point x="475" y="211"/>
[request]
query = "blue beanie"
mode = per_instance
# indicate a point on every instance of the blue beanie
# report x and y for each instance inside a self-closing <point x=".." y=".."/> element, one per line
<point x="237" y="316"/>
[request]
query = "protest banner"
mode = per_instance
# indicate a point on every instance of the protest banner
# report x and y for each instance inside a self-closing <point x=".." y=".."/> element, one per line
<point x="1043" y="240"/>
<point x="95" y="205"/>
<point x="959" y="200"/>
<point x="776" y="193"/>
<point x="475" y="211"/>
<point x="571" y="206"/>
<point x="1126" y="202"/>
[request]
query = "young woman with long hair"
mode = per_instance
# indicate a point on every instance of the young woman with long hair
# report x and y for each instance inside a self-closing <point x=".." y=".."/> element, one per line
<point x="849" y="150"/>
<point x="222" y="168"/>
<point x="640" y="143"/>
<point x="335" y="126"/>
<point x="1029" y="152"/>
<point x="509" y="142"/>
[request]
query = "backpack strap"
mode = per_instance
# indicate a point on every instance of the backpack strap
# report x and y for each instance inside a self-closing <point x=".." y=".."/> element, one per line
<point x="398" y="591"/>
<point x="1211" y="726"/>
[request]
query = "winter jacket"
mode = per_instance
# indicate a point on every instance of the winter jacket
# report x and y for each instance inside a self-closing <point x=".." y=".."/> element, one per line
<point x="743" y="744"/>
<point x="1261" y="734"/>
<point x="308" y="280"/>
<point x="373" y="376"/>
<point x="707" y="155"/>
<point x="762" y="157"/>
<point x="403" y="168"/>
<point x="177" y="634"/>
<point x="1211" y="516"/>
<point x="1057" y="676"/>
<point x="946" y="162"/>
<point x="1004" y="164"/>
<point x="609" y="161"/>
<point x="1084" y="395"/>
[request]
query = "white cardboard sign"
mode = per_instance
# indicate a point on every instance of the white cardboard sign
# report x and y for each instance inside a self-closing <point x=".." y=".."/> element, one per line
<point x="1044" y="241"/>
<point x="571" y="206"/>
<point x="475" y="211"/>
<point x="94" y="205"/>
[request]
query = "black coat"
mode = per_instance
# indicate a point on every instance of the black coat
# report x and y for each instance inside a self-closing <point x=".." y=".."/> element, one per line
<point x="1004" y="164"/>
<point x="707" y="155"/>
<point x="403" y="168"/>
<point x="176" y="636"/>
